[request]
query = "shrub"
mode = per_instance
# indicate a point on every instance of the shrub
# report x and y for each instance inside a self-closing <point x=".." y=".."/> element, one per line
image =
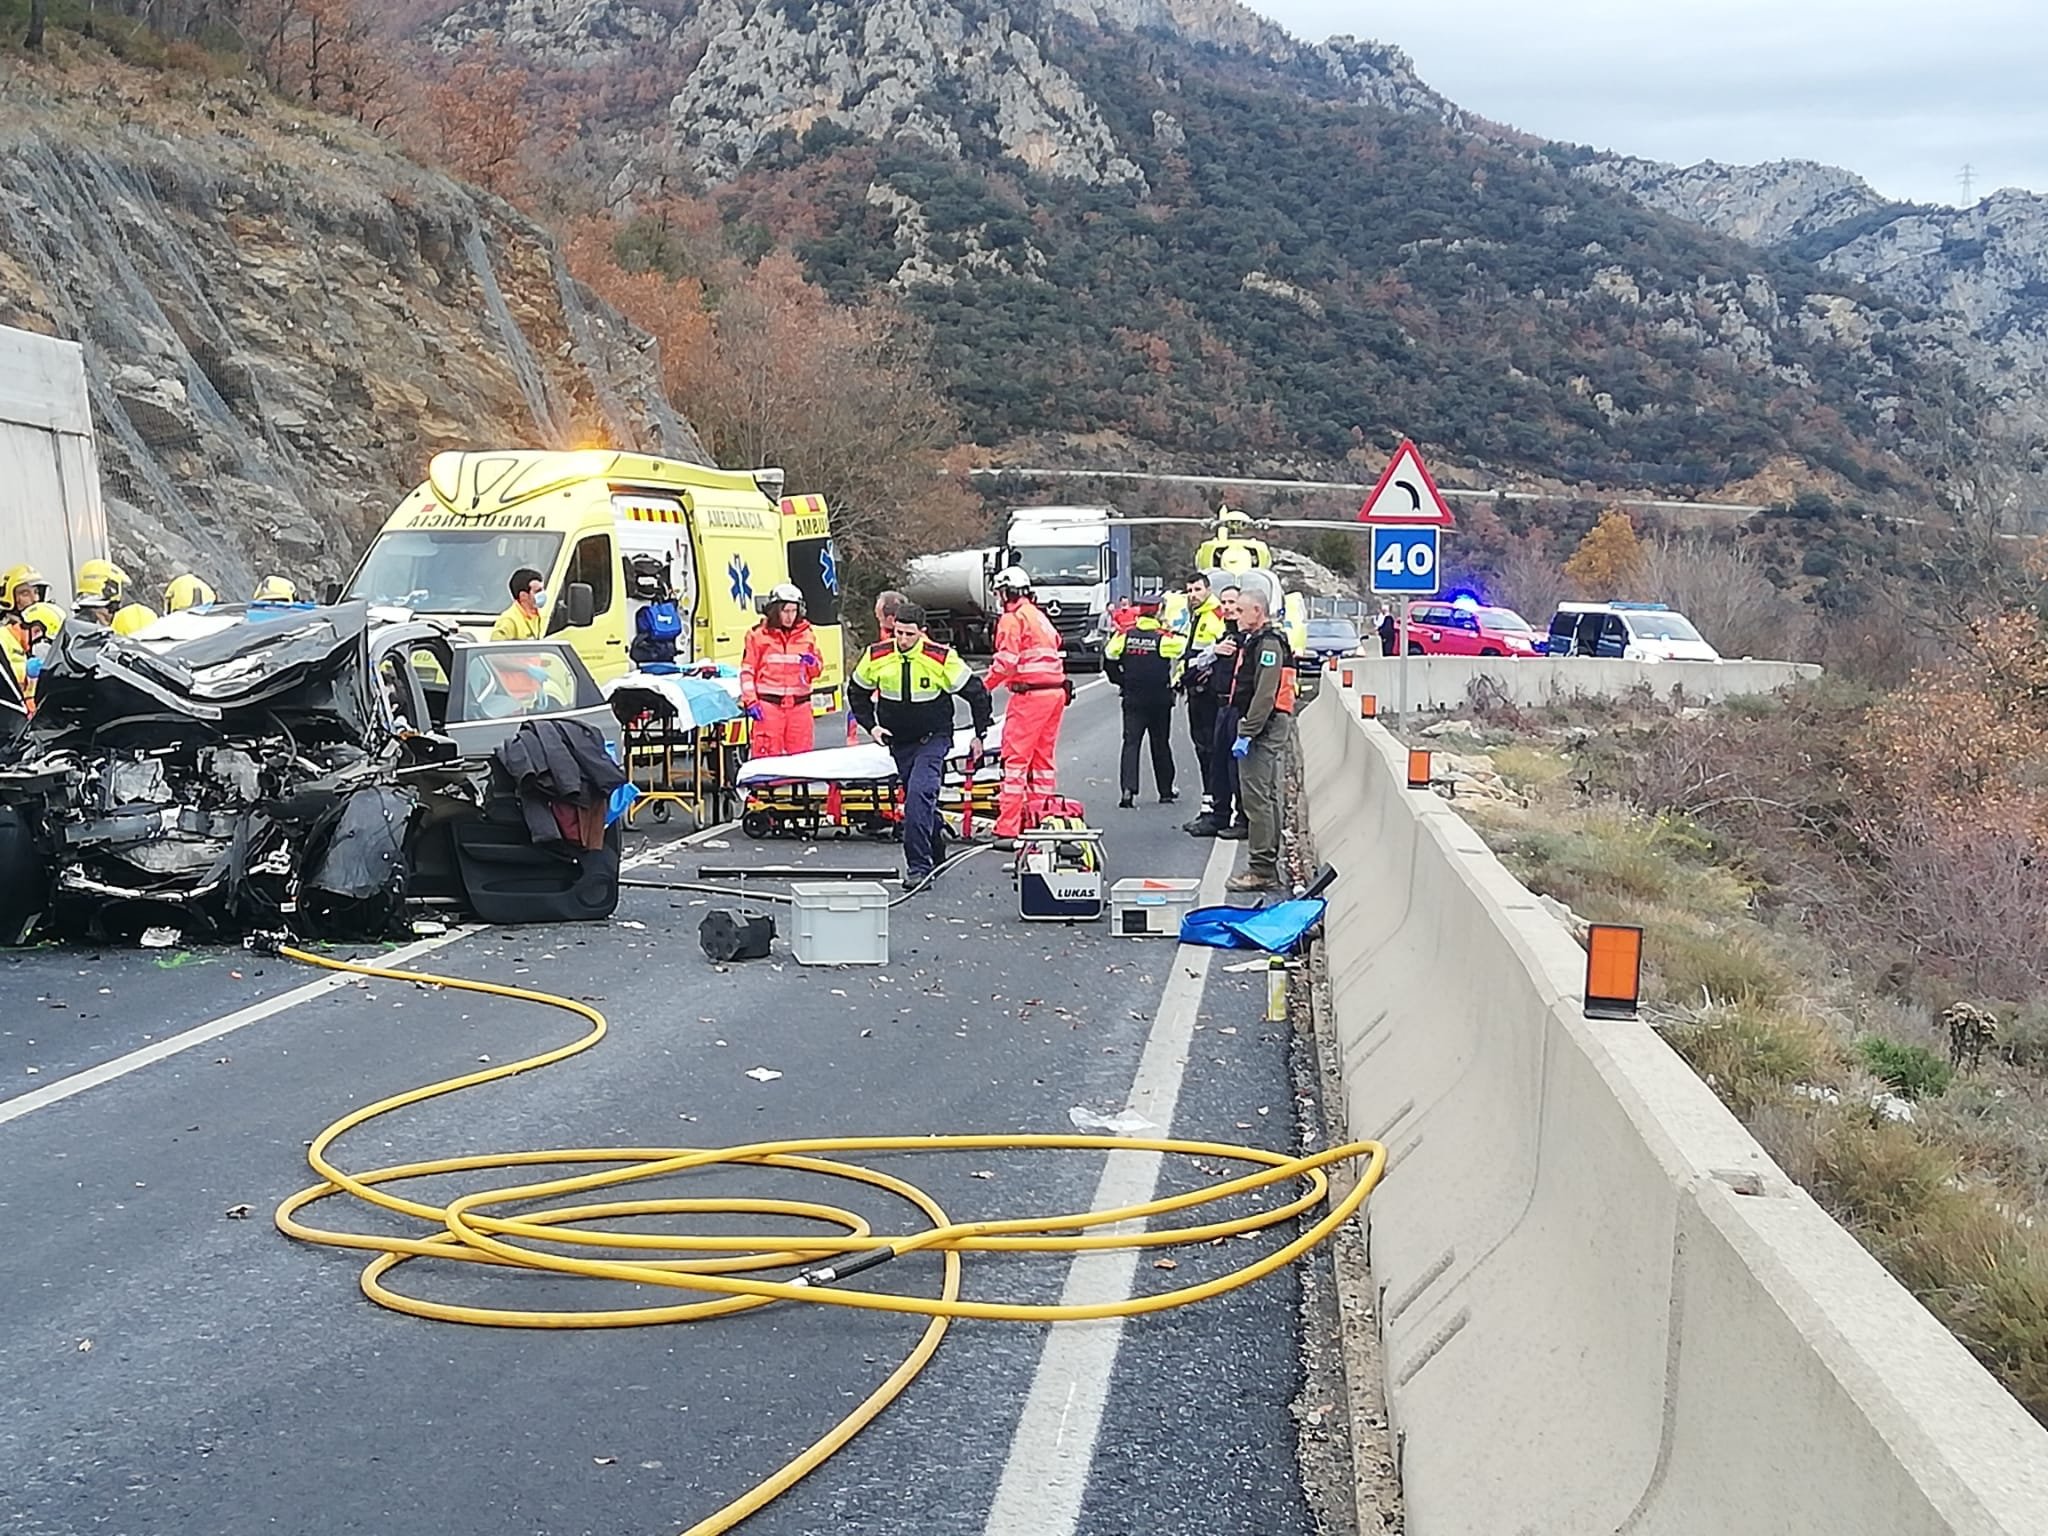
<point x="1911" y="1070"/>
<point x="1750" y="1053"/>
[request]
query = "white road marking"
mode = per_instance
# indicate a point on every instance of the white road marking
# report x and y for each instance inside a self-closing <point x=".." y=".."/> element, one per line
<point x="161" y="1050"/>
<point x="1047" y="1472"/>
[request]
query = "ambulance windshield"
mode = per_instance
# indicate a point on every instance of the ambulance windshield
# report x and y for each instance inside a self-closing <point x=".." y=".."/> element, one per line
<point x="452" y="571"/>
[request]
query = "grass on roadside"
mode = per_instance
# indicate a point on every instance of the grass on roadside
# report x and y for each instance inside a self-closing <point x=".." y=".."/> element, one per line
<point x="1823" y="1073"/>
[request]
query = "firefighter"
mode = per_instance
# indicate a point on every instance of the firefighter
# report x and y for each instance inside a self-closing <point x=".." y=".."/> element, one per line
<point x="94" y="606"/>
<point x="1265" y="733"/>
<point x="777" y="667"/>
<point x="1141" y="662"/>
<point x="24" y="638"/>
<point x="1202" y="626"/>
<point x="187" y="591"/>
<point x="523" y="621"/>
<point x="902" y="693"/>
<point x="1028" y="663"/>
<point x="108" y="579"/>
<point x="21" y="587"/>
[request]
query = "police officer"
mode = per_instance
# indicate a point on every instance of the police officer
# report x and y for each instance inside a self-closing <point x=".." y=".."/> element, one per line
<point x="1141" y="661"/>
<point x="902" y="694"/>
<point x="1265" y="733"/>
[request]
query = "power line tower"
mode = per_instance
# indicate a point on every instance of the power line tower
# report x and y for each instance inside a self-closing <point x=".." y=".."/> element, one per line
<point x="1968" y="179"/>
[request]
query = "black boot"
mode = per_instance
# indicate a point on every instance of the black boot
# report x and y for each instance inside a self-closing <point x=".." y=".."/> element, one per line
<point x="1127" y="802"/>
<point x="1203" y="825"/>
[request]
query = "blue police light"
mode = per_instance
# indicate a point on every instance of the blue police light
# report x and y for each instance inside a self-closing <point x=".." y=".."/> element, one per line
<point x="1466" y="601"/>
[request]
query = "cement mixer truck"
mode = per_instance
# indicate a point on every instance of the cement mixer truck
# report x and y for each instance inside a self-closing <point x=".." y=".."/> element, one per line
<point x="1079" y="559"/>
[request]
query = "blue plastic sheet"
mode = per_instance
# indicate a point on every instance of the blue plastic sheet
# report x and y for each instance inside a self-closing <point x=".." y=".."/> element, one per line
<point x="622" y="799"/>
<point x="1278" y="929"/>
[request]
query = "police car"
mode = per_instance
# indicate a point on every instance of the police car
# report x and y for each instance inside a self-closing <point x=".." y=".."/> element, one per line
<point x="1626" y="632"/>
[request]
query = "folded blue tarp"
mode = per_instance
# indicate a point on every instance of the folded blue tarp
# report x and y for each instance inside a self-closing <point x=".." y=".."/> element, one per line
<point x="1277" y="929"/>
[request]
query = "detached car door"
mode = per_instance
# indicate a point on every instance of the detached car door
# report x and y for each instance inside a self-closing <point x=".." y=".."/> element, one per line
<point x="494" y="688"/>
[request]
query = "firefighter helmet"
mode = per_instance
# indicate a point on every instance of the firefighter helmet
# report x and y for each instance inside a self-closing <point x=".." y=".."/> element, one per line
<point x="102" y="578"/>
<point x="133" y="619"/>
<point x="187" y="591"/>
<point x="275" y="589"/>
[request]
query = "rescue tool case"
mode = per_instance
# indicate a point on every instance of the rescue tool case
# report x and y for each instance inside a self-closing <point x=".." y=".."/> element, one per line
<point x="1143" y="908"/>
<point x="1059" y="874"/>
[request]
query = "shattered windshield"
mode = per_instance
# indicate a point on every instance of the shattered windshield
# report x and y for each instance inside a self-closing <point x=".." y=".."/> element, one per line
<point x="451" y="570"/>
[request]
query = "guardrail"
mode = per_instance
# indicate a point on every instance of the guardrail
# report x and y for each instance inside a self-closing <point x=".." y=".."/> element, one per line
<point x="1445" y="682"/>
<point x="1604" y="1308"/>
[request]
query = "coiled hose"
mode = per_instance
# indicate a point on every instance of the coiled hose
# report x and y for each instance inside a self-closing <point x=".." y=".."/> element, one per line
<point x="718" y="1270"/>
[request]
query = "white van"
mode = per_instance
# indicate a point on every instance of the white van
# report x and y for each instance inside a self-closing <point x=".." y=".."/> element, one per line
<point x="1626" y="632"/>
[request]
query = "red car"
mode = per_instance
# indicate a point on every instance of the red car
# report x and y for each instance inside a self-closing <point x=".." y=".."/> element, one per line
<point x="1463" y="627"/>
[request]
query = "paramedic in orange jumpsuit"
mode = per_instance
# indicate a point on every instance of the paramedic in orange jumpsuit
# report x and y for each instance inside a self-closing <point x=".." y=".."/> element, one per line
<point x="1027" y="663"/>
<point x="780" y="662"/>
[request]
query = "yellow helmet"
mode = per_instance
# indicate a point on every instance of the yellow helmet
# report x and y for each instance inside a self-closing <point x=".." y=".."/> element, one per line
<point x="23" y="576"/>
<point x="49" y="615"/>
<point x="102" y="578"/>
<point x="275" y="589"/>
<point x="136" y="616"/>
<point x="187" y="591"/>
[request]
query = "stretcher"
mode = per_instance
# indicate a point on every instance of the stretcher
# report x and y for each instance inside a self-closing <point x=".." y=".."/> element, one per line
<point x="854" y="791"/>
<point x="677" y="731"/>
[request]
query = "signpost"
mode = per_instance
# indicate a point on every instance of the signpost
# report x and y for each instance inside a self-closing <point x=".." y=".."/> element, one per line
<point x="1408" y="514"/>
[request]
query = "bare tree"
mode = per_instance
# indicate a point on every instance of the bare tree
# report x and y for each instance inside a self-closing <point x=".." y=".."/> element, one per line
<point x="1531" y="581"/>
<point x="1722" y="588"/>
<point x="37" y="14"/>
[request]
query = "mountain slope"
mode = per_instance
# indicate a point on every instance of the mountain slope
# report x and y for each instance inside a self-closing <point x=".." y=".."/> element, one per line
<point x="1165" y="221"/>
<point x="1985" y="267"/>
<point x="284" y="318"/>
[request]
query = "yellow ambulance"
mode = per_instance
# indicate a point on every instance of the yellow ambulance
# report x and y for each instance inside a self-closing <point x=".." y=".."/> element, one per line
<point x="606" y="530"/>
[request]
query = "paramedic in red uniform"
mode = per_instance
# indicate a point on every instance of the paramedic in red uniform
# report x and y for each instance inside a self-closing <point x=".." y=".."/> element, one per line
<point x="1027" y="663"/>
<point x="777" y="668"/>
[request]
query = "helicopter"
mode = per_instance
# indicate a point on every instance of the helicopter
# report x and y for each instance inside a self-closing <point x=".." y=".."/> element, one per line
<point x="1233" y="547"/>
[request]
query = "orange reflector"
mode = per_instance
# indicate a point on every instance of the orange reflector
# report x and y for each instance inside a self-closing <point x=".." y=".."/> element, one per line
<point x="1347" y="679"/>
<point x="1614" y="970"/>
<point x="1418" y="768"/>
<point x="1368" y="706"/>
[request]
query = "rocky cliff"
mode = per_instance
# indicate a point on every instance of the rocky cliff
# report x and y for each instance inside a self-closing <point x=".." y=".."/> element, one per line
<point x="284" y="319"/>
<point x="1984" y="269"/>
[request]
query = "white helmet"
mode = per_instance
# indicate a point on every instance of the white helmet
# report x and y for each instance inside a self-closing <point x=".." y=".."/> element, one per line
<point x="1012" y="580"/>
<point x="784" y="592"/>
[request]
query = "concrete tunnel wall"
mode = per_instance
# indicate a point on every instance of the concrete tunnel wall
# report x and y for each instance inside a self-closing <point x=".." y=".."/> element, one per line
<point x="1445" y="682"/>
<point x="1604" y="1308"/>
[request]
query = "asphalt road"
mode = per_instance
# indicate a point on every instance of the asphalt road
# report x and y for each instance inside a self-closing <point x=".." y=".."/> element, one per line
<point x="174" y="1371"/>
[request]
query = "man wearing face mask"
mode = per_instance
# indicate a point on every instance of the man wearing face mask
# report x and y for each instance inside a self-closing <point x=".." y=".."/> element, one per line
<point x="902" y="694"/>
<point x="523" y="621"/>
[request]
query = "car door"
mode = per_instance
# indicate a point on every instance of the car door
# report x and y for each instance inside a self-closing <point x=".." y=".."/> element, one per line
<point x="1426" y="628"/>
<point x="494" y="688"/>
<point x="1614" y="636"/>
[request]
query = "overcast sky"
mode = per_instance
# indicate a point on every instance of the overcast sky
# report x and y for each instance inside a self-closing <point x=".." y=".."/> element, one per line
<point x="1902" y="92"/>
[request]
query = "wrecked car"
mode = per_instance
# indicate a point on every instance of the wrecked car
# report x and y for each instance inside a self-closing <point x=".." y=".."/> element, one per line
<point x="294" y="766"/>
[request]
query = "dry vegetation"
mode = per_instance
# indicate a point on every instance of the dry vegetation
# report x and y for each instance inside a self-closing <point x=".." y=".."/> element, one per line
<point x="1819" y="877"/>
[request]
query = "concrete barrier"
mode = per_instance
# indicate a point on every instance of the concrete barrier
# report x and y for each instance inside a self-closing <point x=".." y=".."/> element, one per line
<point x="1445" y="682"/>
<point x="1604" y="1308"/>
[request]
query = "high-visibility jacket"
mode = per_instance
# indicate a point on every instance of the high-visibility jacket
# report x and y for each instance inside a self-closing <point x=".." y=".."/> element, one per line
<point x="515" y="623"/>
<point x="1202" y="627"/>
<point x="1027" y="651"/>
<point x="779" y="664"/>
<point x="1141" y="659"/>
<point x="910" y="693"/>
<point x="15" y="650"/>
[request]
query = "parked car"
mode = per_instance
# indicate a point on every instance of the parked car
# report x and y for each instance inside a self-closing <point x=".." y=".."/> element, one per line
<point x="1626" y="632"/>
<point x="1468" y="629"/>
<point x="1328" y="638"/>
<point x="241" y="767"/>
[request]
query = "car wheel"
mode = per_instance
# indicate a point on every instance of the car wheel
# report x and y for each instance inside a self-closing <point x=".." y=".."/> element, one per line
<point x="1414" y="649"/>
<point x="1488" y="651"/>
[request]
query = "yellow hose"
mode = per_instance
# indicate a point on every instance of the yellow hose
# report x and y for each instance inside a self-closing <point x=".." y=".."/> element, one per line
<point x="714" y="1268"/>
